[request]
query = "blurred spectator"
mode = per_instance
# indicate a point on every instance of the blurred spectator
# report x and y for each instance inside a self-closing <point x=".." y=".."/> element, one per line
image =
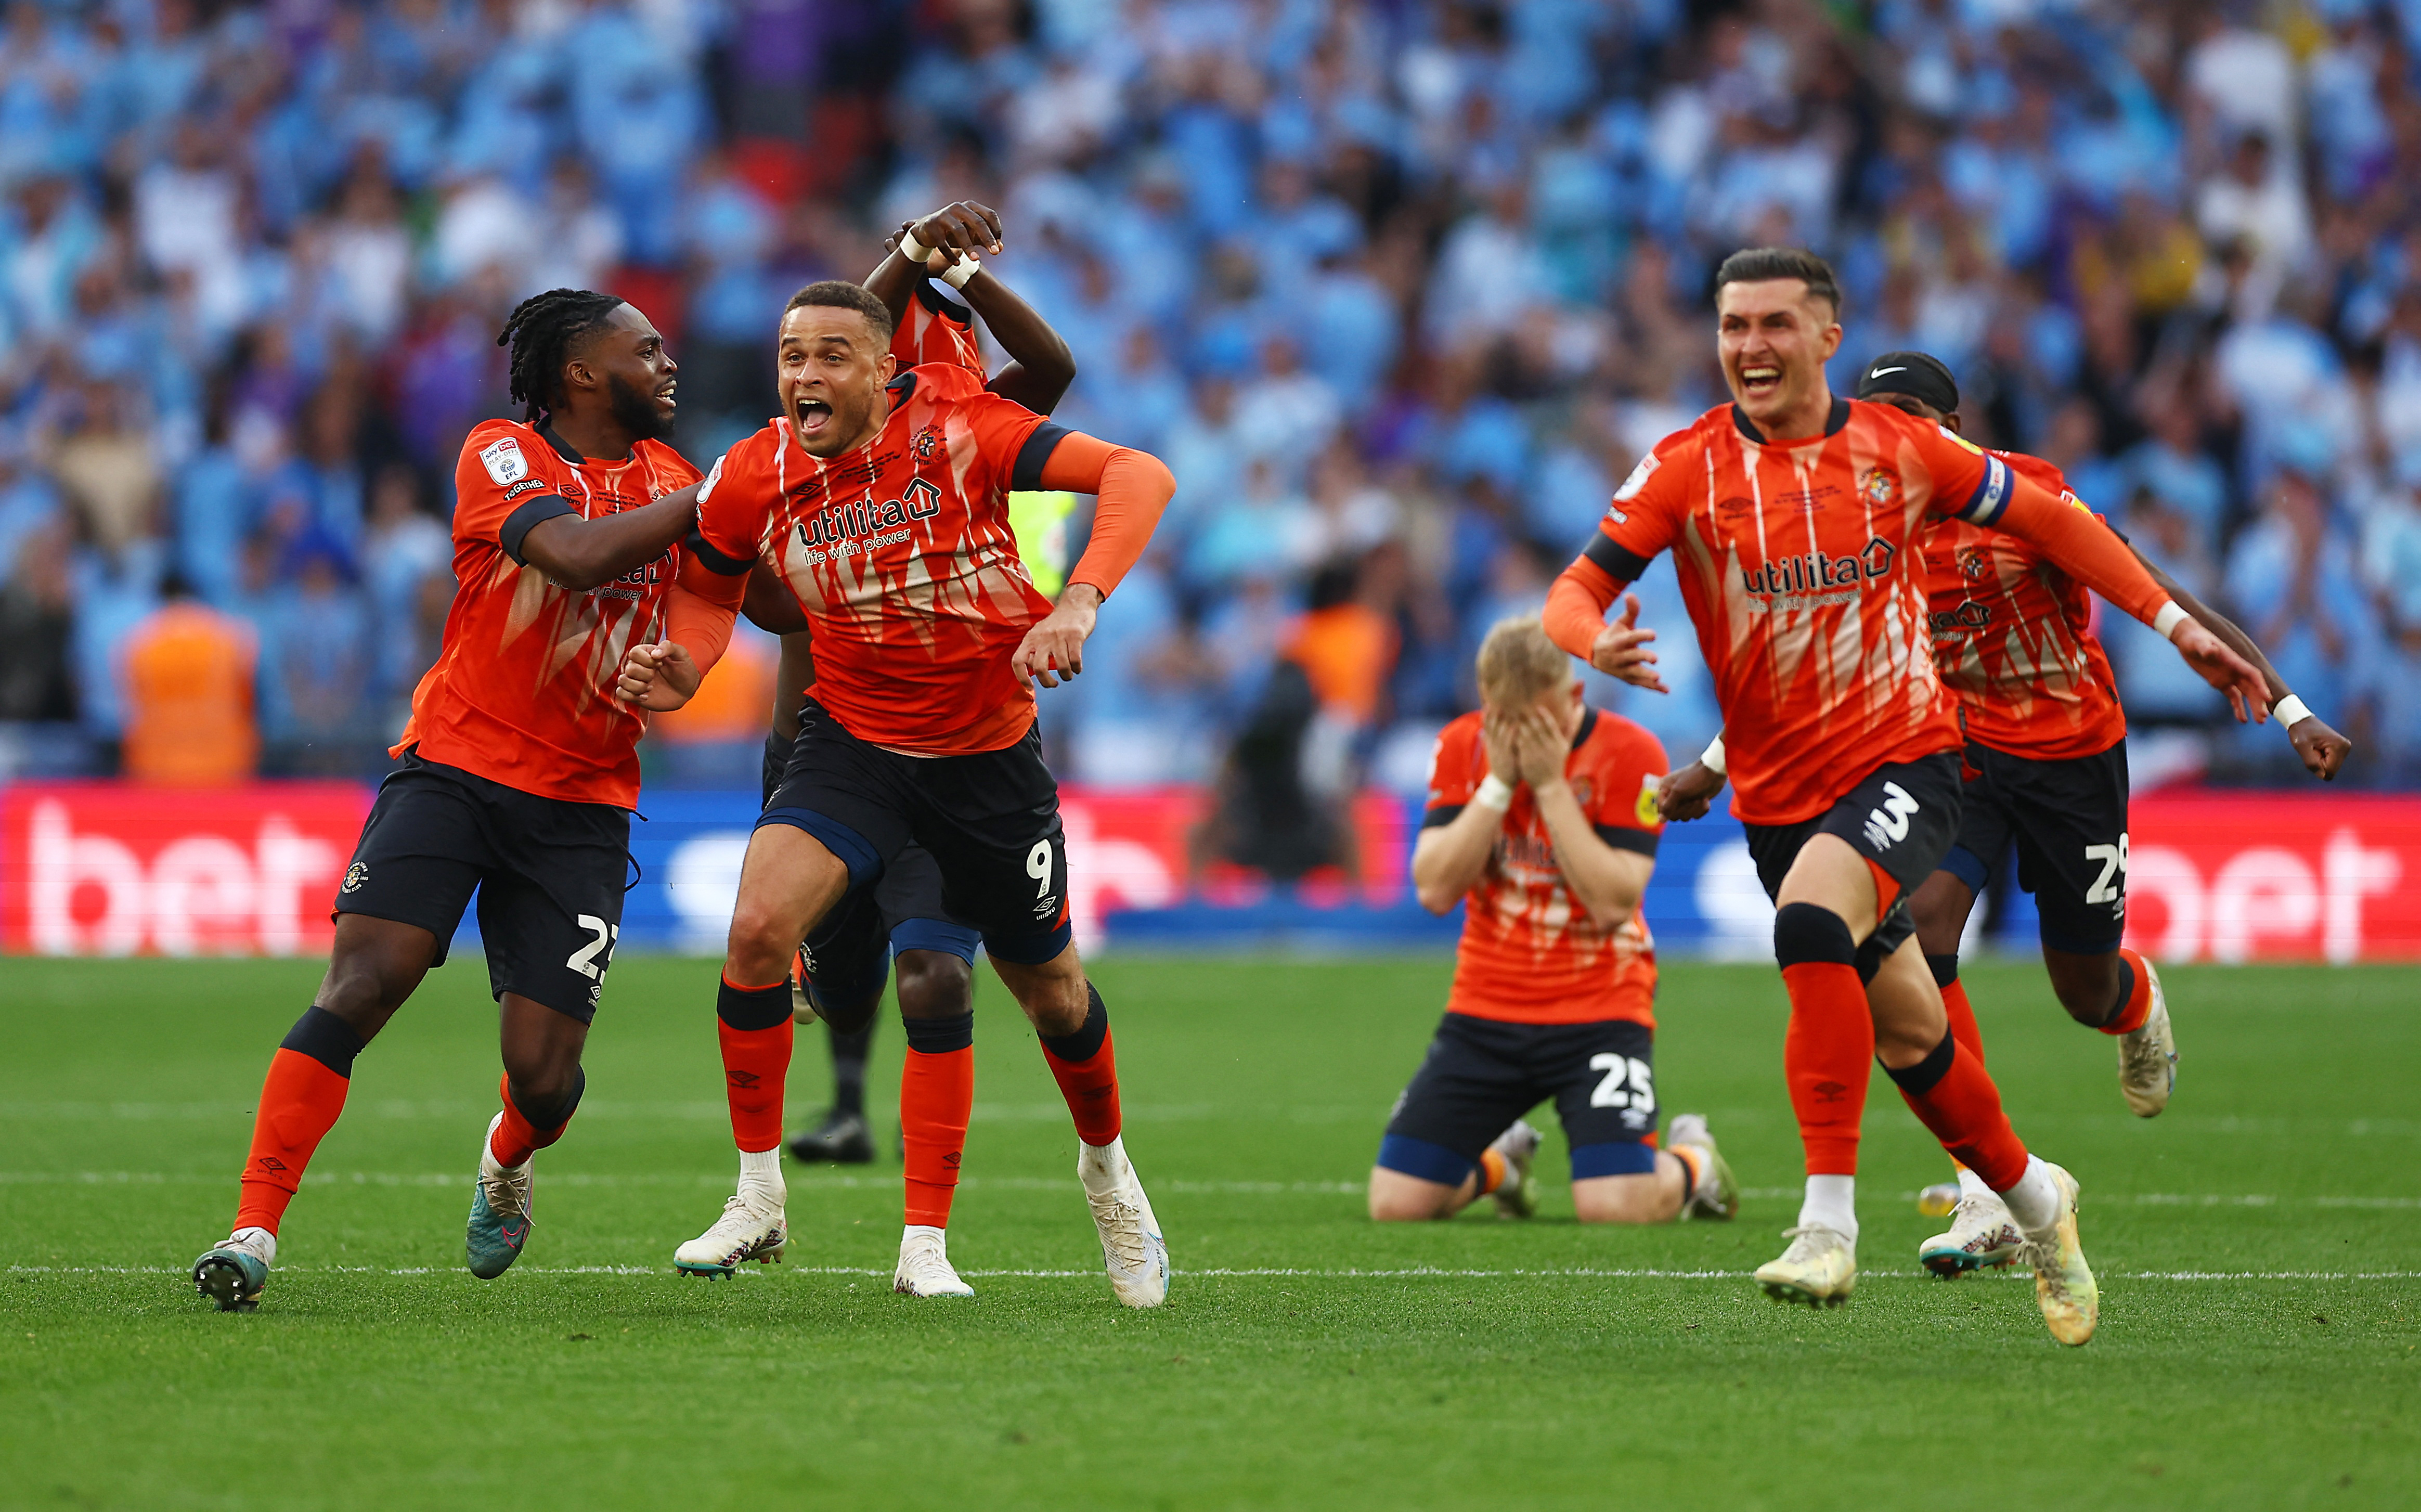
<point x="187" y="670"/>
<point x="37" y="681"/>
<point x="1410" y="284"/>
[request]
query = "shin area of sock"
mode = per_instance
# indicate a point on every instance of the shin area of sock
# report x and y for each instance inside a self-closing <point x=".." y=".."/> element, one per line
<point x="1827" y="1053"/>
<point x="299" y="1101"/>
<point x="936" y="1097"/>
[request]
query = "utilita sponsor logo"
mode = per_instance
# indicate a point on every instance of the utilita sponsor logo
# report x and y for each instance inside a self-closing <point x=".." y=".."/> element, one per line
<point x="921" y="501"/>
<point x="1814" y="571"/>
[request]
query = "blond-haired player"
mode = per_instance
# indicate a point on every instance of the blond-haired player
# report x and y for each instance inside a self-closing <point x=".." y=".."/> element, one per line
<point x="1542" y="819"/>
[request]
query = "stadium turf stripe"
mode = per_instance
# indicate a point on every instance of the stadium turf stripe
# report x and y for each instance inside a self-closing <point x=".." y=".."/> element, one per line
<point x="1239" y="1272"/>
<point x="839" y="1181"/>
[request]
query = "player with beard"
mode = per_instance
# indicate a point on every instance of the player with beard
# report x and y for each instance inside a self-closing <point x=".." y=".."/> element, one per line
<point x="906" y="926"/>
<point x="1795" y="520"/>
<point x="518" y="768"/>
<point x="2045" y="771"/>
<point x="883" y="500"/>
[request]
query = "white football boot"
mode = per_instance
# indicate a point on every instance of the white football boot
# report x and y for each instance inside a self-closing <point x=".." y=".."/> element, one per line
<point x="2147" y="1058"/>
<point x="1517" y="1196"/>
<point x="2064" y="1285"/>
<point x="925" y="1269"/>
<point x="1133" y="1251"/>
<point x="752" y="1227"/>
<point x="1819" y="1269"/>
<point x="1982" y="1236"/>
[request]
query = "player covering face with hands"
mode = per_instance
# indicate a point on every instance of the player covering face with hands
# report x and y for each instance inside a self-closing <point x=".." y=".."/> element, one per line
<point x="880" y="500"/>
<point x="1540" y="822"/>
<point x="1796" y="519"/>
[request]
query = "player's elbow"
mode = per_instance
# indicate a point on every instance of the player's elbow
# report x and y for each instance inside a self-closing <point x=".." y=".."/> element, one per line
<point x="1436" y="896"/>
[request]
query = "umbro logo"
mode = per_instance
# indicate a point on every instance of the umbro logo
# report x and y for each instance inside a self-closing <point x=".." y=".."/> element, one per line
<point x="1830" y="1091"/>
<point x="271" y="1162"/>
<point x="745" y="1080"/>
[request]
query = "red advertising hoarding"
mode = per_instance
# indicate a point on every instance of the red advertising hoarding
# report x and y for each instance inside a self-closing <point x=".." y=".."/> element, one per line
<point x="110" y="869"/>
<point x="2274" y="875"/>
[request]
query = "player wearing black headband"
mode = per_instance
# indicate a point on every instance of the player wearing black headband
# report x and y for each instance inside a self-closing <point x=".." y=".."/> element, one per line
<point x="2045" y="769"/>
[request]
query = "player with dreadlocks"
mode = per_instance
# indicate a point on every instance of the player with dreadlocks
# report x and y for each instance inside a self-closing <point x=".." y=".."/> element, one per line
<point x="517" y="771"/>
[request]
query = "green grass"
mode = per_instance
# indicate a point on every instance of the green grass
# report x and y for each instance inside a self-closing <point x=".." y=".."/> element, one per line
<point x="2258" y="1349"/>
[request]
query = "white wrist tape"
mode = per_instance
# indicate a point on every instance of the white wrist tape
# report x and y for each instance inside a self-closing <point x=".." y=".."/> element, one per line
<point x="2168" y="619"/>
<point x="1712" y="757"/>
<point x="2289" y="711"/>
<point x="912" y="249"/>
<point x="1494" y="793"/>
<point x="957" y="273"/>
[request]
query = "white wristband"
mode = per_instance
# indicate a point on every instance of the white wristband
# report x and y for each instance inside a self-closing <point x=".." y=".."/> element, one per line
<point x="1712" y="757"/>
<point x="957" y="273"/>
<point x="2165" y="623"/>
<point x="1494" y="793"/>
<point x="912" y="249"/>
<point x="2289" y="711"/>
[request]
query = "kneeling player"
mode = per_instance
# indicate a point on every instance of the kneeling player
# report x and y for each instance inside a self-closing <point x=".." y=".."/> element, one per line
<point x="1542" y="819"/>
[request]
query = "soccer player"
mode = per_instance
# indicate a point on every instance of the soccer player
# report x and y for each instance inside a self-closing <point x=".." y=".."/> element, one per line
<point x="1795" y="519"/>
<point x="932" y="953"/>
<point x="518" y="768"/>
<point x="1542" y="819"/>
<point x="883" y="500"/>
<point x="2045" y="769"/>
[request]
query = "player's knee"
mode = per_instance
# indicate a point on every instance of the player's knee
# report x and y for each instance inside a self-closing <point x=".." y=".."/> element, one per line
<point x="1809" y="932"/>
<point x="1399" y="1199"/>
<point x="761" y="943"/>
<point x="545" y="1089"/>
<point x="362" y="988"/>
<point x="933" y="984"/>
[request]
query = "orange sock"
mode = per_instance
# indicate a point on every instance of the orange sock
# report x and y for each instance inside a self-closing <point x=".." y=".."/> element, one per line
<point x="1826" y="1053"/>
<point x="2138" y="1004"/>
<point x="937" y="1092"/>
<point x="1952" y="1096"/>
<point x="1087" y="1070"/>
<point x="1694" y="1168"/>
<point x="516" y="1138"/>
<point x="300" y="1100"/>
<point x="1962" y="1018"/>
<point x="1492" y="1166"/>
<point x="754" y="1025"/>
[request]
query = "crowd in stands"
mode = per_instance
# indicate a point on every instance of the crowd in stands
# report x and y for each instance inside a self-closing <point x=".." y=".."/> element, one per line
<point x="1400" y="288"/>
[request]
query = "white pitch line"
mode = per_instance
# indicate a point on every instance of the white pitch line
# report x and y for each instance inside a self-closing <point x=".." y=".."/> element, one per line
<point x="1243" y="1272"/>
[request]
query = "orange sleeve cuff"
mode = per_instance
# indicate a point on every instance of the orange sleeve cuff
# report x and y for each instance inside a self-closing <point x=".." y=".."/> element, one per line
<point x="1576" y="606"/>
<point x="1133" y="486"/>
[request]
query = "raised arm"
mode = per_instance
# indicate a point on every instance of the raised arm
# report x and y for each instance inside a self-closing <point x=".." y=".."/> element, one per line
<point x="699" y="616"/>
<point x="588" y="553"/>
<point x="1575" y="619"/>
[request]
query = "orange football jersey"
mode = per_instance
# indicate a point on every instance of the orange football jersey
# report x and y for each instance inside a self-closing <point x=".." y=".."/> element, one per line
<point x="1800" y="566"/>
<point x="523" y="691"/>
<point x="901" y="555"/>
<point x="2013" y="638"/>
<point x="936" y="329"/>
<point x="1530" y="952"/>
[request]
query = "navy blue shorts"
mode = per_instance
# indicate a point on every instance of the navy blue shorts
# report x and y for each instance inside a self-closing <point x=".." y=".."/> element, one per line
<point x="1483" y="1073"/>
<point x="549" y="874"/>
<point x="990" y="821"/>
<point x="2068" y="823"/>
<point x="1901" y="817"/>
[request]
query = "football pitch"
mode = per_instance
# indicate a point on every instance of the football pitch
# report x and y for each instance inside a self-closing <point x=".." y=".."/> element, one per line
<point x="2260" y="1342"/>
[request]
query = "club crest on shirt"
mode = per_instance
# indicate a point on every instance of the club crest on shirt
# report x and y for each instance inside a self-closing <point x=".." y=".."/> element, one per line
<point x="1973" y="566"/>
<point x="927" y="442"/>
<point x="1584" y="791"/>
<point x="504" y="462"/>
<point x="1880" y="485"/>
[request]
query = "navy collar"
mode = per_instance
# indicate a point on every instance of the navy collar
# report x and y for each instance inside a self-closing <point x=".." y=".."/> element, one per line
<point x="1588" y="727"/>
<point x="1833" y="422"/>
